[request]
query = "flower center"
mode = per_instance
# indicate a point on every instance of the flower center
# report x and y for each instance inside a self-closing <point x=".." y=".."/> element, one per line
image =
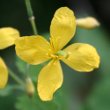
<point x="59" y="55"/>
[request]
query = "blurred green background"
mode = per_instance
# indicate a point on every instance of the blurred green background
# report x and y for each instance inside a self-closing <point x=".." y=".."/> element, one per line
<point x="80" y="91"/>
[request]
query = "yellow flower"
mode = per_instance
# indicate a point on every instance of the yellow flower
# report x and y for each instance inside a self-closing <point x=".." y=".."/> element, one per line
<point x="35" y="50"/>
<point x="7" y="38"/>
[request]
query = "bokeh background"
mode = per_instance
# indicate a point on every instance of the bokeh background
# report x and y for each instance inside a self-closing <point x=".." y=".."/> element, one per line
<point x="80" y="91"/>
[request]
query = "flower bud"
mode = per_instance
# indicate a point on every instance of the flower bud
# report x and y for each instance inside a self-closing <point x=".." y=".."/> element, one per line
<point x="30" y="87"/>
<point x="87" y="23"/>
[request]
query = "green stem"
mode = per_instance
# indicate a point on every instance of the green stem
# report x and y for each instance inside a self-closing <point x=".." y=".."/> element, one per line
<point x="31" y="16"/>
<point x="15" y="77"/>
<point x="27" y="69"/>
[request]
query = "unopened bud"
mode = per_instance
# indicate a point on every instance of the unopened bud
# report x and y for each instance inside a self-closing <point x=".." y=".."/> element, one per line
<point x="87" y="23"/>
<point x="30" y="87"/>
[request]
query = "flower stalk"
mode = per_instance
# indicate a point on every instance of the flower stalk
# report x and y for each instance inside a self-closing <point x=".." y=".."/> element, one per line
<point x="15" y="77"/>
<point x="31" y="16"/>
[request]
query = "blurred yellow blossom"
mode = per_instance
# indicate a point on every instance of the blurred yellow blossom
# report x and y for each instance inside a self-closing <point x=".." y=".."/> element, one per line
<point x="35" y="50"/>
<point x="87" y="22"/>
<point x="7" y="38"/>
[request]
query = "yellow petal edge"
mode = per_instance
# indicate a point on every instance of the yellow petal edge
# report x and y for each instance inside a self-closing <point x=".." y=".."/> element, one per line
<point x="3" y="74"/>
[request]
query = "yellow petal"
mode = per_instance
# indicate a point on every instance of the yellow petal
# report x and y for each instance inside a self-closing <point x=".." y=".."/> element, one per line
<point x="8" y="36"/>
<point x="3" y="74"/>
<point x="62" y="27"/>
<point x="82" y="57"/>
<point x="49" y="80"/>
<point x="87" y="23"/>
<point x="32" y="49"/>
